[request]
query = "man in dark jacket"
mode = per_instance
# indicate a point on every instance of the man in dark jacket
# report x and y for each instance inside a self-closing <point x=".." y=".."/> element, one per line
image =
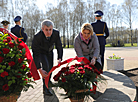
<point x="101" y="30"/>
<point x="19" y="31"/>
<point x="42" y="48"/>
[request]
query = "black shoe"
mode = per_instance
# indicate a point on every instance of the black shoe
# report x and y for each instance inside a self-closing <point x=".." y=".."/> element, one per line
<point x="47" y="92"/>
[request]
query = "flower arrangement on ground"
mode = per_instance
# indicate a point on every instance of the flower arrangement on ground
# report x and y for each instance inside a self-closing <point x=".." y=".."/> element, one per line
<point x="78" y="80"/>
<point x="114" y="57"/>
<point x="14" y="71"/>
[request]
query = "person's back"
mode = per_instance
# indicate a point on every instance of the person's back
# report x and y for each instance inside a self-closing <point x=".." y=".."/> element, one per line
<point x="102" y="32"/>
<point x="19" y="31"/>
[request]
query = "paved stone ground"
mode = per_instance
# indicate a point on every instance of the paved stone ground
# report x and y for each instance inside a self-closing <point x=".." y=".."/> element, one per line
<point x="35" y="95"/>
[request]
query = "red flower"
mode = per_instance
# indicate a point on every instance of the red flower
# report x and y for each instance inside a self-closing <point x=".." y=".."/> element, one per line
<point x="5" y="41"/>
<point x="67" y="73"/>
<point x="63" y="79"/>
<point x="72" y="68"/>
<point x="63" y="69"/>
<point x="0" y="52"/>
<point x="26" y="80"/>
<point x="18" y="76"/>
<point x="9" y="39"/>
<point x="1" y="59"/>
<point x="20" y="47"/>
<point x="29" y="75"/>
<point x="82" y="72"/>
<point x="20" y="60"/>
<point x="11" y="63"/>
<point x="71" y="71"/>
<point x="58" y="74"/>
<point x="80" y="68"/>
<point x="3" y="74"/>
<point x="5" y="87"/>
<point x="56" y="78"/>
<point x="23" y="67"/>
<point x="5" y="50"/>
<point x="11" y="45"/>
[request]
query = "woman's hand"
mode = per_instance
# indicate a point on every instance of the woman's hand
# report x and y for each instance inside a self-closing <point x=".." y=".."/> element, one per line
<point x="43" y="73"/>
<point x="93" y="61"/>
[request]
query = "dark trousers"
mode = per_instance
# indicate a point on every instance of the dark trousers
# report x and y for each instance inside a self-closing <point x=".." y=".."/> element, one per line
<point x="102" y="50"/>
<point x="47" y="64"/>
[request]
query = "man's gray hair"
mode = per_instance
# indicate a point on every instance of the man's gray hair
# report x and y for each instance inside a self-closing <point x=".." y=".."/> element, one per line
<point x="47" y="23"/>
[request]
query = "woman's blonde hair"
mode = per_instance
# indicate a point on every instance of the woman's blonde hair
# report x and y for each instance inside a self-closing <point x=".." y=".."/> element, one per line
<point x="87" y="26"/>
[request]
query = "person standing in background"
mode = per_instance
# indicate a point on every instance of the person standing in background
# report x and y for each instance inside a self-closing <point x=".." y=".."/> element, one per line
<point x="102" y="32"/>
<point x="19" y="31"/>
<point x="5" y="24"/>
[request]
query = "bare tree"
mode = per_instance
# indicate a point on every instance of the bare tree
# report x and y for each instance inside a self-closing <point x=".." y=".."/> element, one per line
<point x="129" y="10"/>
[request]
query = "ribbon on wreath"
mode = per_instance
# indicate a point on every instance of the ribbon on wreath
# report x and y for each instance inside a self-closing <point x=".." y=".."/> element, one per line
<point x="79" y="59"/>
<point x="31" y="62"/>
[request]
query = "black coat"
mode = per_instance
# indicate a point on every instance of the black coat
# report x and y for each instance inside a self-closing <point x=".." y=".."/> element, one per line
<point x="20" y="34"/>
<point x="40" y="45"/>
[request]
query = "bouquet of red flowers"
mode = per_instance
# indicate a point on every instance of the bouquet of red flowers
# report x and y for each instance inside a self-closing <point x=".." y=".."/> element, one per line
<point x="14" y="71"/>
<point x="78" y="80"/>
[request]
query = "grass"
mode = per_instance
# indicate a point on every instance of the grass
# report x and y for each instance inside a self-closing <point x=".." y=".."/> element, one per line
<point x="125" y="45"/>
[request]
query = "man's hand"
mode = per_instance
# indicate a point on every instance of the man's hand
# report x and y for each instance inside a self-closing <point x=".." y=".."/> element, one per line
<point x="43" y="73"/>
<point x="59" y="61"/>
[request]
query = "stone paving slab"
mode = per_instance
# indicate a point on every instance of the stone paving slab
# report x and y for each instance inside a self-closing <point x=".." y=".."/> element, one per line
<point x="120" y="88"/>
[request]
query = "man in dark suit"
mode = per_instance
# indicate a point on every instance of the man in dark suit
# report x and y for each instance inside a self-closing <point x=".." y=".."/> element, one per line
<point x="102" y="32"/>
<point x="19" y="31"/>
<point x="42" y="48"/>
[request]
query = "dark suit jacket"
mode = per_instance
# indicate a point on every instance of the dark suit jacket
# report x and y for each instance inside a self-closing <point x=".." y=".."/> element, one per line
<point x="100" y="27"/>
<point x="16" y="31"/>
<point x="40" y="45"/>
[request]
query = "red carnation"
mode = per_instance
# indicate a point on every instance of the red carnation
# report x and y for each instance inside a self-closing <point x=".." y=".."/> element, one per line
<point x="23" y="67"/>
<point x="80" y="68"/>
<point x="3" y="74"/>
<point x="72" y="68"/>
<point x="56" y="78"/>
<point x="1" y="59"/>
<point x="9" y="39"/>
<point x="11" y="63"/>
<point x="63" y="79"/>
<point x="29" y="75"/>
<point x="11" y="45"/>
<point x="71" y="71"/>
<point x="20" y="47"/>
<point x="5" y="87"/>
<point x="67" y="73"/>
<point x="82" y="72"/>
<point x="20" y="60"/>
<point x="5" y="50"/>
<point x="58" y="74"/>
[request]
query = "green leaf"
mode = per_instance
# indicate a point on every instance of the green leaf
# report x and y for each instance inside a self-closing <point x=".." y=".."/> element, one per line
<point x="1" y="70"/>
<point x="23" y="51"/>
